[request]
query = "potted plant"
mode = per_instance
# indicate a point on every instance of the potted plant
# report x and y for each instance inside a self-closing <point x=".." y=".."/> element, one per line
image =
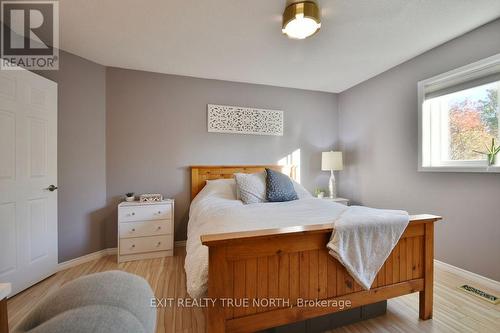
<point x="129" y="196"/>
<point x="491" y="152"/>
<point x="319" y="193"/>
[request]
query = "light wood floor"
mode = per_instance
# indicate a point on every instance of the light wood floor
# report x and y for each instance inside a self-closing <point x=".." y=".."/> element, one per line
<point x="454" y="311"/>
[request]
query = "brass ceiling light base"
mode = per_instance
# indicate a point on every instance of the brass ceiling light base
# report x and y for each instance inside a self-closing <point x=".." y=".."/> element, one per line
<point x="301" y="20"/>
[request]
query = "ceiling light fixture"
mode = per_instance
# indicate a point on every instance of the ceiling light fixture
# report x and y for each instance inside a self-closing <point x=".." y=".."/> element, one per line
<point x="301" y="20"/>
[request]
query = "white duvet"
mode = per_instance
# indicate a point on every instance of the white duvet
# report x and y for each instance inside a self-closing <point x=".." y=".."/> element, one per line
<point x="361" y="240"/>
<point x="216" y="210"/>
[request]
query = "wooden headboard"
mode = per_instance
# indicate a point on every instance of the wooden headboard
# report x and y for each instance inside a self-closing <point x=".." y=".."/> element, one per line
<point x="200" y="174"/>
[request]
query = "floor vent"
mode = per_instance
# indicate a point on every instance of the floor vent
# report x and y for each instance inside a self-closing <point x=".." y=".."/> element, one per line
<point x="479" y="293"/>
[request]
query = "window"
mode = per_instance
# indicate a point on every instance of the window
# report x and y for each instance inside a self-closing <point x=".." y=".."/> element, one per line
<point x="459" y="114"/>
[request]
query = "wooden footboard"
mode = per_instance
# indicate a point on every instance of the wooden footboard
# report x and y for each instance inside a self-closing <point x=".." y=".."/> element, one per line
<point x="261" y="279"/>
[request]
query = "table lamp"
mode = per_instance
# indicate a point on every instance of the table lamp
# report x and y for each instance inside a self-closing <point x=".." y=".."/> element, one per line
<point x="332" y="161"/>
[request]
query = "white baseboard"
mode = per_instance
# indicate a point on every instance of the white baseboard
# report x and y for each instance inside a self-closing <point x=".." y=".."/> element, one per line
<point x="86" y="258"/>
<point x="97" y="255"/>
<point x="487" y="282"/>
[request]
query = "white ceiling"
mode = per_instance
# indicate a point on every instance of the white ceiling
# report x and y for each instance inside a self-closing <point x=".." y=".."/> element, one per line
<point x="241" y="40"/>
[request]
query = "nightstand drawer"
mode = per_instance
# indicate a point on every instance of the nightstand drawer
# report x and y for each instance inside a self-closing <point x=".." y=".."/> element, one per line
<point x="146" y="244"/>
<point x="145" y="228"/>
<point x="143" y="213"/>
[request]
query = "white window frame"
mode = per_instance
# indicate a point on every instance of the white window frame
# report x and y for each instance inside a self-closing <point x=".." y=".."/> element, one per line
<point x="427" y="153"/>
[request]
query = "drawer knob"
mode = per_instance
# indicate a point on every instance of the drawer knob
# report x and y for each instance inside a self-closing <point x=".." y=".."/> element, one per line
<point x="159" y="243"/>
<point x="133" y="229"/>
<point x="132" y="214"/>
<point x="159" y="228"/>
<point x="133" y="245"/>
<point x="159" y="212"/>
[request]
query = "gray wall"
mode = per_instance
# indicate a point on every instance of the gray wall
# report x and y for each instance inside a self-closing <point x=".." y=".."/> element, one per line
<point x="157" y="128"/>
<point x="378" y="131"/>
<point x="81" y="155"/>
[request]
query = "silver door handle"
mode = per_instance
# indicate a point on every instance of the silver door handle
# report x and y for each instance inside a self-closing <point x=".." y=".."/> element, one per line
<point x="51" y="188"/>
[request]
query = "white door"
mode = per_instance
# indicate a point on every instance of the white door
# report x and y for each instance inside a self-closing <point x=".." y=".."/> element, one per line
<point x="28" y="166"/>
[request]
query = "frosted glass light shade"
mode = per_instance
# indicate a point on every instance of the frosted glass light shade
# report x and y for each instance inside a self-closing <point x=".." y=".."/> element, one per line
<point x="301" y="20"/>
<point x="332" y="160"/>
<point x="301" y="27"/>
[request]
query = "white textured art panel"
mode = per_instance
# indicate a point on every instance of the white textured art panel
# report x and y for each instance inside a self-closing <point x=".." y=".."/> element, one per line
<point x="240" y="120"/>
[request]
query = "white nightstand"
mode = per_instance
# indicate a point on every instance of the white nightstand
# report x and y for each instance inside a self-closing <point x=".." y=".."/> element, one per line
<point x="145" y="230"/>
<point x="342" y="201"/>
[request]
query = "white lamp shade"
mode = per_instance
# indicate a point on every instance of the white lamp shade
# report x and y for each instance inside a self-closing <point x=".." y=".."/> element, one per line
<point x="332" y="160"/>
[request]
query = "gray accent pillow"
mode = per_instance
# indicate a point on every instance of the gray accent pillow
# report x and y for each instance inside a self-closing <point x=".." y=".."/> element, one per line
<point x="251" y="187"/>
<point x="279" y="187"/>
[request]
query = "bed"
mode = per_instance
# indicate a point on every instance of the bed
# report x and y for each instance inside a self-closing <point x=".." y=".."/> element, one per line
<point x="292" y="263"/>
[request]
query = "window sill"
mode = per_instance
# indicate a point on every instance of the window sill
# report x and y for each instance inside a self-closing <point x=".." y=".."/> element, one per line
<point x="470" y="169"/>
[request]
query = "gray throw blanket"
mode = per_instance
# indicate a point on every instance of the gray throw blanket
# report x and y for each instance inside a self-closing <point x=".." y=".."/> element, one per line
<point x="363" y="239"/>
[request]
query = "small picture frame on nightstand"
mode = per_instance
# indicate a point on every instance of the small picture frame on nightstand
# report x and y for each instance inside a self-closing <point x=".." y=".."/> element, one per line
<point x="150" y="197"/>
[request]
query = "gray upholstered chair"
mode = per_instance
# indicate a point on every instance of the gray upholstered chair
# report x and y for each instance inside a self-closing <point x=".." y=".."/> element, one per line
<point x="108" y="302"/>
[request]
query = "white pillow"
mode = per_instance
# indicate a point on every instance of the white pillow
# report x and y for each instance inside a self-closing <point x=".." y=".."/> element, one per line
<point x="226" y="187"/>
<point x="251" y="187"/>
<point x="302" y="193"/>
